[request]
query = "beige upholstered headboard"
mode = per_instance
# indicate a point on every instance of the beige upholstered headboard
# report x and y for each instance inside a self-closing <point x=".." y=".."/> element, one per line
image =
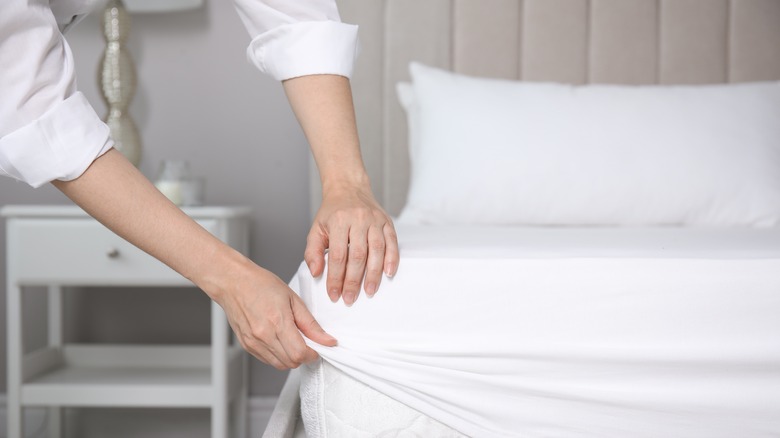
<point x="571" y="41"/>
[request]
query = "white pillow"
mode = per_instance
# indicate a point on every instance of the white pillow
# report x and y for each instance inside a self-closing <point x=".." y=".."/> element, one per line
<point x="487" y="151"/>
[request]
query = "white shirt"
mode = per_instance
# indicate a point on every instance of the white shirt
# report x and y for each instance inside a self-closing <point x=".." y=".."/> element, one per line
<point x="49" y="131"/>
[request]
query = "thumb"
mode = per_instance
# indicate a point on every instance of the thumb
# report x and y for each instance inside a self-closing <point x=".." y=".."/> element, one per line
<point x="314" y="255"/>
<point x="309" y="326"/>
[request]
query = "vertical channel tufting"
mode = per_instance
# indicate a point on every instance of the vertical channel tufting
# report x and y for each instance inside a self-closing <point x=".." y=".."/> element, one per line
<point x="520" y="38"/>
<point x="481" y="50"/>
<point x="729" y="31"/>
<point x="588" y="40"/>
<point x="414" y="31"/>
<point x="624" y="41"/>
<point x="452" y="35"/>
<point x="555" y="40"/>
<point x="755" y="41"/>
<point x="658" y="6"/>
<point x="693" y="41"/>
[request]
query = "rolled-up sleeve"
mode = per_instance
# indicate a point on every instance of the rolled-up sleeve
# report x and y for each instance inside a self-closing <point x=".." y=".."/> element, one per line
<point x="292" y="38"/>
<point x="48" y="130"/>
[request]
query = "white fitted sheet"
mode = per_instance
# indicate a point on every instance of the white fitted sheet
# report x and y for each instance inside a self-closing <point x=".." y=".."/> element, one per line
<point x="571" y="332"/>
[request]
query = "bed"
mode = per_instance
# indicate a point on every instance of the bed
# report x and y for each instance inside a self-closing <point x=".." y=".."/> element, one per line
<point x="558" y="323"/>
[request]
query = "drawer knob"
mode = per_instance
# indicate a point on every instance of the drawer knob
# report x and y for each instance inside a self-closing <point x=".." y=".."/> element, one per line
<point x="112" y="253"/>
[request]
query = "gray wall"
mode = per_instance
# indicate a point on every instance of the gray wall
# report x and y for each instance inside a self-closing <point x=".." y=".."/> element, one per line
<point x="200" y="100"/>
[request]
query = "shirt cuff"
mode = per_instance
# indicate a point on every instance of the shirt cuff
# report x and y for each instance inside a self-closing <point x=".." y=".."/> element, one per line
<point x="306" y="48"/>
<point x="61" y="144"/>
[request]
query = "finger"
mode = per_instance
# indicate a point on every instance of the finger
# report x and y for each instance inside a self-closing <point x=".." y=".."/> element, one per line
<point x="392" y="255"/>
<point x="281" y="352"/>
<point x="356" y="264"/>
<point x="277" y="349"/>
<point x="376" y="259"/>
<point x="295" y="347"/>
<point x="264" y="339"/>
<point x="309" y="326"/>
<point x="337" y="262"/>
<point x="316" y="243"/>
<point x="264" y="355"/>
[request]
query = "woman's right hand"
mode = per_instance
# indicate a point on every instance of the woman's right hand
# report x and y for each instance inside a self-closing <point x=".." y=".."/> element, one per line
<point x="268" y="318"/>
<point x="265" y="314"/>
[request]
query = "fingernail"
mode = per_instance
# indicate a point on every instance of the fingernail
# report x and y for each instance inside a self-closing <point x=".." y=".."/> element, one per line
<point x="370" y="289"/>
<point x="390" y="271"/>
<point x="333" y="295"/>
<point x="349" y="299"/>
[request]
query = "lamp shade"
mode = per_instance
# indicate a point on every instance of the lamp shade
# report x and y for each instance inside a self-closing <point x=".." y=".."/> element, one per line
<point x="155" y="6"/>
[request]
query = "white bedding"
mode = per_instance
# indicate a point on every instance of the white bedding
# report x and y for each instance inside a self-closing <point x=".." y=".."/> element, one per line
<point x="569" y="332"/>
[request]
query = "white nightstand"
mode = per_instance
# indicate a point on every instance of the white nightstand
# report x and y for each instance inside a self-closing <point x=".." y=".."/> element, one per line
<point x="56" y="246"/>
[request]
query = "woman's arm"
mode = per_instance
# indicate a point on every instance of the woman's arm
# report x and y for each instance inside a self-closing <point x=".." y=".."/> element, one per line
<point x="359" y="234"/>
<point x="264" y="313"/>
<point x="48" y="131"/>
<point x="304" y="44"/>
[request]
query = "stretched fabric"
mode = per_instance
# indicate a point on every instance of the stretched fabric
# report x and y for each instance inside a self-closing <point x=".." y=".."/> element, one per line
<point x="515" y="332"/>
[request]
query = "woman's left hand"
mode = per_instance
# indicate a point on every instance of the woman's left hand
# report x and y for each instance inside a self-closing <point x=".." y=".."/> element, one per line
<point x="360" y="239"/>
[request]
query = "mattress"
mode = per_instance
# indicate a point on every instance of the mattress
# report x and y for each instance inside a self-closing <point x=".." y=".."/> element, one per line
<point x="608" y="332"/>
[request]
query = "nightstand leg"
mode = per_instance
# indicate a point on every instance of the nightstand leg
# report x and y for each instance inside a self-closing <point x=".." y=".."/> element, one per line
<point x="55" y="422"/>
<point x="219" y="364"/>
<point x="241" y="403"/>
<point x="55" y="315"/>
<point x="243" y="397"/>
<point x="15" y="425"/>
<point x="55" y="340"/>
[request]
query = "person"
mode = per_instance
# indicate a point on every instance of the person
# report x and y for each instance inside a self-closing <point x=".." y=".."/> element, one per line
<point x="50" y="134"/>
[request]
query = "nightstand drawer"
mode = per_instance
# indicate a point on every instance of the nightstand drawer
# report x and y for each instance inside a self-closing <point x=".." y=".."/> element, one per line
<point x="84" y="252"/>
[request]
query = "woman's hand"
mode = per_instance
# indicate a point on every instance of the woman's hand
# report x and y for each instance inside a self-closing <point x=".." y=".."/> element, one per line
<point x="264" y="313"/>
<point x="266" y="316"/>
<point x="360" y="239"/>
<point x="358" y="234"/>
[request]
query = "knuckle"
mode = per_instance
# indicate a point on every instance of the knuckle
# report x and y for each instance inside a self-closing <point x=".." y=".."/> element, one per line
<point x="355" y="214"/>
<point x="337" y="256"/>
<point x="357" y="254"/>
<point x="379" y="216"/>
<point x="244" y="344"/>
<point x="298" y="356"/>
<point x="275" y="319"/>
<point x="341" y="217"/>
<point x="377" y="245"/>
<point x="261" y="332"/>
<point x="390" y="233"/>
<point x="248" y="339"/>
<point x="364" y="213"/>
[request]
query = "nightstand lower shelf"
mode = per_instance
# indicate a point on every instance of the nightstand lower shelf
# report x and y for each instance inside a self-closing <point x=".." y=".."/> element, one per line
<point x="125" y="376"/>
